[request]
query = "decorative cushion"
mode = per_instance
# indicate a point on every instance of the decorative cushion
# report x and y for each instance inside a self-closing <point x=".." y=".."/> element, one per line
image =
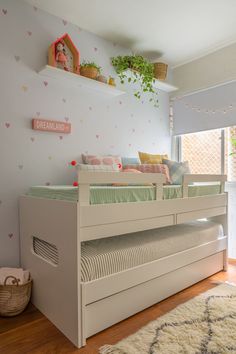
<point x="130" y="161"/>
<point x="102" y="160"/>
<point x="150" y="158"/>
<point x="98" y="168"/>
<point x="152" y="168"/>
<point x="177" y="170"/>
<point x="132" y="170"/>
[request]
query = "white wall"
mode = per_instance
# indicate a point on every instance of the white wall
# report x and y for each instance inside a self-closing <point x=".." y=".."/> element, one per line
<point x="100" y="124"/>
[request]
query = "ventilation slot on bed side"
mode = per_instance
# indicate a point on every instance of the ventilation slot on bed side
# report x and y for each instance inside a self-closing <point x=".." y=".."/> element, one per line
<point x="46" y="250"/>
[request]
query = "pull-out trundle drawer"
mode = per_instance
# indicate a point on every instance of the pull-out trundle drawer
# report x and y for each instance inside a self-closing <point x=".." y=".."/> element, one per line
<point x="112" y="309"/>
<point x="200" y="214"/>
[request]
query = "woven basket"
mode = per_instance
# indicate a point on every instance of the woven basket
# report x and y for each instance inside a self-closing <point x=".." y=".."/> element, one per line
<point x="15" y="297"/>
<point x="160" y="71"/>
<point x="90" y="72"/>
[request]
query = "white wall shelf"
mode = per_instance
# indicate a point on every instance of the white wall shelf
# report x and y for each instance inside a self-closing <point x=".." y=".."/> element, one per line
<point x="158" y="84"/>
<point x="79" y="81"/>
<point x="164" y="86"/>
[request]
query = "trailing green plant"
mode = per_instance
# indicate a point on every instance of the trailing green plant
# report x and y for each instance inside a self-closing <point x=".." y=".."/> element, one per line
<point x="142" y="73"/>
<point x="90" y="64"/>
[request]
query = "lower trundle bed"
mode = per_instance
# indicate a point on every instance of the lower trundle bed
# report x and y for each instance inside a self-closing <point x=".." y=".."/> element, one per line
<point x="99" y="254"/>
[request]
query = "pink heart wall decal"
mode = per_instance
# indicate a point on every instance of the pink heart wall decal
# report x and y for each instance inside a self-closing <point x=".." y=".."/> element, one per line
<point x="10" y="235"/>
<point x="45" y="83"/>
<point x="24" y="88"/>
<point x="7" y="125"/>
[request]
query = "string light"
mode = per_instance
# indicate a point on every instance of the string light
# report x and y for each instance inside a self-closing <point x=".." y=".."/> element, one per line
<point x="223" y="110"/>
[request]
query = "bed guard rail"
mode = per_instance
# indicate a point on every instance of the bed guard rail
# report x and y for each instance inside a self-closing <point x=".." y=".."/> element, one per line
<point x="86" y="178"/>
<point x="190" y="178"/>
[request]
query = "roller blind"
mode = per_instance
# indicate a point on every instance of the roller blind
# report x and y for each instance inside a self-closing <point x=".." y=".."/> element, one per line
<point x="210" y="109"/>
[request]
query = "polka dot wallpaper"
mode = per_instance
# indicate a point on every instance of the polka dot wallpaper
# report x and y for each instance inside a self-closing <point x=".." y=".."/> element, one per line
<point x="101" y="124"/>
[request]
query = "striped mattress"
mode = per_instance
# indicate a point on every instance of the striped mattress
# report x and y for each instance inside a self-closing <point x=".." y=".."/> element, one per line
<point x="121" y="194"/>
<point x="103" y="257"/>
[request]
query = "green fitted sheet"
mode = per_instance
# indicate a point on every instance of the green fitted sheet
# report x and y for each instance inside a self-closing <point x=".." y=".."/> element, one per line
<point x="121" y="194"/>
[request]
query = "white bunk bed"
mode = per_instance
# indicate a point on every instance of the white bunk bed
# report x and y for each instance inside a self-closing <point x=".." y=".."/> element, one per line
<point x="81" y="309"/>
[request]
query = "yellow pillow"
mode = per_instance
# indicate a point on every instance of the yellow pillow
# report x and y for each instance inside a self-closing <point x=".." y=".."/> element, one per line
<point x="151" y="159"/>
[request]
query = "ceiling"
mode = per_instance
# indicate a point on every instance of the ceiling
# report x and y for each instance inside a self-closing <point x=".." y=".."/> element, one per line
<point x="177" y="31"/>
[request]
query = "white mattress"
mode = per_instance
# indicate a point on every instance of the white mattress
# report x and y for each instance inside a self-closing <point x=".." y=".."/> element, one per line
<point x="103" y="257"/>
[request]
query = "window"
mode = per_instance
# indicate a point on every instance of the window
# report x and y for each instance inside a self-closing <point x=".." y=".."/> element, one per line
<point x="230" y="160"/>
<point x="208" y="152"/>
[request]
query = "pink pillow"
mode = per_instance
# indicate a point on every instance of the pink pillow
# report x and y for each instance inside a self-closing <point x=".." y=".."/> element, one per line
<point x="102" y="160"/>
<point x="134" y="170"/>
<point x="131" y="170"/>
<point x="152" y="168"/>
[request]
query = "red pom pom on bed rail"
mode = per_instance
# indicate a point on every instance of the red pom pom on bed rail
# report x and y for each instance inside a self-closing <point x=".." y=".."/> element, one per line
<point x="73" y="163"/>
<point x="75" y="184"/>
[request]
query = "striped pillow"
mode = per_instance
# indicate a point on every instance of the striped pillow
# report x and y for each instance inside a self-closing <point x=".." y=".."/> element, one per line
<point x="152" y="168"/>
<point x="177" y="170"/>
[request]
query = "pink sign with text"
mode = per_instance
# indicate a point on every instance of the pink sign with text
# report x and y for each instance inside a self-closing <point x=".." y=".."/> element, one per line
<point x="51" y="126"/>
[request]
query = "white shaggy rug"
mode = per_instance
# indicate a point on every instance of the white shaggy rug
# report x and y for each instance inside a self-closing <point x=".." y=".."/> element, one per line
<point x="204" y="325"/>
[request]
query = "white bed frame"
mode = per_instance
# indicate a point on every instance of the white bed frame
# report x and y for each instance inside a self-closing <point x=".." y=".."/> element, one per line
<point x="79" y="309"/>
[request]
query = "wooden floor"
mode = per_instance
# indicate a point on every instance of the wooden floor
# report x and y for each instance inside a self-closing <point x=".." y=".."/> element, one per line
<point x="32" y="333"/>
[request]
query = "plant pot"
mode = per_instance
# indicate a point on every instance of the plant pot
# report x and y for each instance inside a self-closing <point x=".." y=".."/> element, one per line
<point x="89" y="71"/>
<point x="102" y="78"/>
<point x="160" y="71"/>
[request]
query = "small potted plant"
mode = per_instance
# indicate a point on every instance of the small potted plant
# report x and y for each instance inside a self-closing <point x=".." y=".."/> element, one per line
<point x="90" y="70"/>
<point x="136" y="69"/>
